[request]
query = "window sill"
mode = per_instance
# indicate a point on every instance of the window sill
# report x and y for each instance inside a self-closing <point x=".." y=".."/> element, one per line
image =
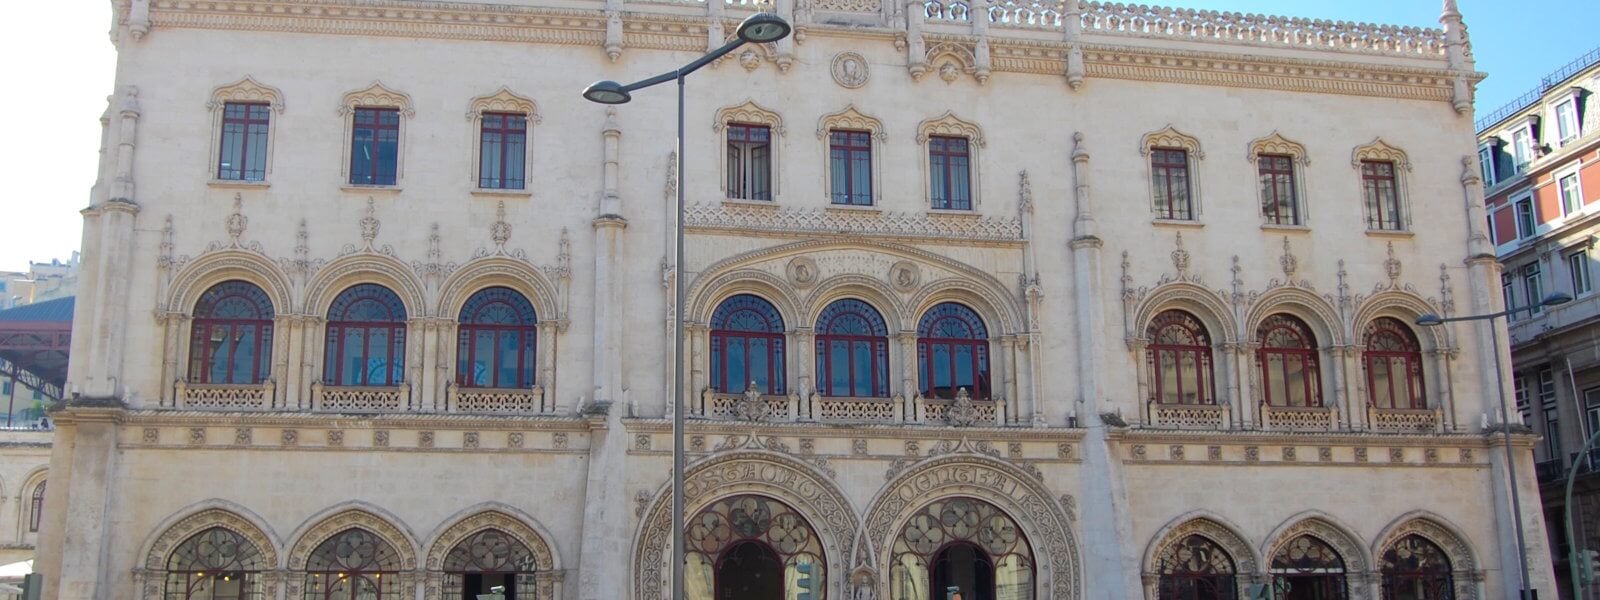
<point x="1390" y="233"/>
<point x="238" y="184"/>
<point x="499" y="193"/>
<point x="870" y="208"/>
<point x="1180" y="223"/>
<point x="370" y="189"/>
<point x="751" y="203"/>
<point x="954" y="212"/>
<point x="1285" y="228"/>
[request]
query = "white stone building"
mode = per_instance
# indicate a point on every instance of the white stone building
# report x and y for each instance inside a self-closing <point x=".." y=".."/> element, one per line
<point x="1054" y="300"/>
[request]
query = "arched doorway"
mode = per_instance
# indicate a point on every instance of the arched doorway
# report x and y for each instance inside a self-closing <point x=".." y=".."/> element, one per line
<point x="487" y="560"/>
<point x="749" y="547"/>
<point x="1415" y="568"/>
<point x="964" y="543"/>
<point x="1196" y="568"/>
<point x="1307" y="568"/>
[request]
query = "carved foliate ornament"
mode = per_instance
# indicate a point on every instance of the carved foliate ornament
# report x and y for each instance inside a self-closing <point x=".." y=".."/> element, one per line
<point x="1391" y="267"/>
<point x="751" y="406"/>
<point x="1180" y="258"/>
<point x="377" y="95"/>
<point x="504" y="101"/>
<point x="1288" y="261"/>
<point x="1380" y="150"/>
<point x="246" y="90"/>
<point x="1277" y="144"/>
<point x="851" y="118"/>
<point x="961" y="412"/>
<point x="1170" y="138"/>
<point x="850" y="70"/>
<point x="948" y="124"/>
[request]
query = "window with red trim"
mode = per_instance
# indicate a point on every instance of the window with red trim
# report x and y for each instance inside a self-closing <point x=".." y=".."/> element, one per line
<point x="852" y="351"/>
<point x="1288" y="361"/>
<point x="1179" y="359"/>
<point x="215" y="564"/>
<point x="366" y="338"/>
<point x="1381" y="195"/>
<point x="375" y="146"/>
<point x="952" y="352"/>
<point x="1279" y="204"/>
<point x="1393" y="361"/>
<point x="1169" y="182"/>
<point x="749" y="162"/>
<point x="850" y="156"/>
<point x="497" y="340"/>
<point x="502" y="151"/>
<point x="950" y="173"/>
<point x="36" y="508"/>
<point x="242" y="155"/>
<point x="230" y="339"/>
<point x="747" y="346"/>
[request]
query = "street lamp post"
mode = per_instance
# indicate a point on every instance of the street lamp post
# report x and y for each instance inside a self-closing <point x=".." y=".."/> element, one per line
<point x="759" y="28"/>
<point x="1505" y="412"/>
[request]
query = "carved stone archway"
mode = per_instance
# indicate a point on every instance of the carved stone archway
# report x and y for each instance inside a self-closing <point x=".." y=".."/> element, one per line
<point x="332" y="523"/>
<point x="1357" y="562"/>
<point x="547" y="569"/>
<point x="1018" y="493"/>
<point x="150" y="576"/>
<point x="1247" y="566"/>
<point x="796" y="484"/>
<point x="1464" y="568"/>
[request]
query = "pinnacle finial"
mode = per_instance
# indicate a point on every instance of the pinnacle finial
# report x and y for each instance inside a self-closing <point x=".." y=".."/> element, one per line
<point x="1451" y="11"/>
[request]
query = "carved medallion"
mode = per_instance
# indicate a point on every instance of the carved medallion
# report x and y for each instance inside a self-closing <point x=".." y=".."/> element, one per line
<point x="905" y="276"/>
<point x="849" y="70"/>
<point x="802" y="271"/>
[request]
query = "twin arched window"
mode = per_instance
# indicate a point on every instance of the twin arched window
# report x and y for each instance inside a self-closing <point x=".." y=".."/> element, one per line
<point x="852" y="350"/>
<point x="1393" y="361"/>
<point x="747" y="346"/>
<point x="231" y="337"/>
<point x="497" y="340"/>
<point x="1288" y="359"/>
<point x="1180" y="359"/>
<point x="366" y="338"/>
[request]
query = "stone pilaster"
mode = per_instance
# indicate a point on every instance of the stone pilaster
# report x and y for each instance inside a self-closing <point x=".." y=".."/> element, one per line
<point x="83" y="465"/>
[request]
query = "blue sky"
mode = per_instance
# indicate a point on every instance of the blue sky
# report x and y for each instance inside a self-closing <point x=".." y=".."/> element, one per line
<point x="47" y="155"/>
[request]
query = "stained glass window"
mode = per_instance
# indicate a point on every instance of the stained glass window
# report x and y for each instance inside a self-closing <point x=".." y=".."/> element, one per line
<point x="748" y="547"/>
<point x="1309" y="568"/>
<point x="231" y="336"/>
<point x="952" y="352"/>
<point x="747" y="346"/>
<point x="965" y="543"/>
<point x="215" y="564"/>
<point x="852" y="351"/>
<point x="1414" y="568"/>
<point x="488" y="559"/>
<point x="1288" y="360"/>
<point x="1393" y="360"/>
<point x="366" y="338"/>
<point x="1196" y="568"/>
<point x="496" y="340"/>
<point x="355" y="564"/>
<point x="1179" y="359"/>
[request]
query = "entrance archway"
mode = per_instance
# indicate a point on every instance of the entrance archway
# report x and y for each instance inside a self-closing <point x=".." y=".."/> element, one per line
<point x="965" y="567"/>
<point x="749" y="547"/>
<point x="963" y="543"/>
<point x="750" y="571"/>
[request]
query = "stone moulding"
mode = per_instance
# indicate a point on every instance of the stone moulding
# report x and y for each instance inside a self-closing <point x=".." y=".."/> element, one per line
<point x="788" y="220"/>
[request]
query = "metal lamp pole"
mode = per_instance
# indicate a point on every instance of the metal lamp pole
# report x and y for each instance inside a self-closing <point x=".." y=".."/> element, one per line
<point x="1505" y="411"/>
<point x="759" y="28"/>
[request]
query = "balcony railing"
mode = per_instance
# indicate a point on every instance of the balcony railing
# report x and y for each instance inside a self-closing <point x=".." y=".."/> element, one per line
<point x="225" y="396"/>
<point x="1299" y="418"/>
<point x="1549" y="470"/>
<point x="1524" y="329"/>
<point x="752" y="405"/>
<point x="1188" y="416"/>
<point x="1405" y="420"/>
<point x="360" y="399"/>
<point x="496" y="401"/>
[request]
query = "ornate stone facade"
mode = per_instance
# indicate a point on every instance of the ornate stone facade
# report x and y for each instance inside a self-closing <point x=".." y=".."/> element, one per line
<point x="1061" y="433"/>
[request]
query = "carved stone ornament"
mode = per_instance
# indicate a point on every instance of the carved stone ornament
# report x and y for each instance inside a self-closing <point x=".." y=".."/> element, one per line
<point x="750" y="113"/>
<point x="850" y="70"/>
<point x="1171" y="138"/>
<point x="246" y="90"/>
<point x="961" y="412"/>
<point x="751" y="406"/>
<point x="1380" y="150"/>
<point x="1277" y="144"/>
<point x="905" y="276"/>
<point x="225" y="516"/>
<point x="504" y="101"/>
<point x="353" y="518"/>
<point x="948" y="124"/>
<point x="802" y="271"/>
<point x="1212" y="530"/>
<point x="379" y="96"/>
<point x="851" y="118"/>
<point x="504" y="521"/>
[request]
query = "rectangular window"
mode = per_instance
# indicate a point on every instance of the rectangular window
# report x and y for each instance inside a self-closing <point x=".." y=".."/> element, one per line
<point x="1519" y="384"/>
<point x="5" y="388"/>
<point x="1486" y="164"/>
<point x="1278" y="202"/>
<point x="951" y="173"/>
<point x="749" y="162"/>
<point x="1169" y="182"/>
<point x="375" y="146"/>
<point x="1552" y="436"/>
<point x="38" y="394"/>
<point x="1571" y="197"/>
<point x="1578" y="267"/>
<point x="242" y="155"/>
<point x="1381" y="195"/>
<point x="850" y="156"/>
<point x="1533" y="292"/>
<point x="1490" y="229"/>
<point x="1567" y="121"/>
<point x="502" y="151"/>
<point x="1508" y="293"/>
<point x="1527" y="223"/>
<point x="1521" y="149"/>
<point x="1591" y="410"/>
<point x="1547" y="388"/>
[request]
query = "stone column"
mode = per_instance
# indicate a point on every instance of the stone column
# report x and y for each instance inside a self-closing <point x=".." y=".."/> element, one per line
<point x="609" y="225"/>
<point x="1008" y="382"/>
<point x="83" y="465"/>
<point x="547" y="364"/>
<point x="908" y="385"/>
<point x="1336" y="375"/>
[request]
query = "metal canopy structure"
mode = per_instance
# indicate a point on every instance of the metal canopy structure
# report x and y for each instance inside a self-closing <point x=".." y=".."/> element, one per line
<point x="34" y="341"/>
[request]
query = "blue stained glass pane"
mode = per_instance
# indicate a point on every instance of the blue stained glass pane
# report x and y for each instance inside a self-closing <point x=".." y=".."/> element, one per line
<point x="738" y="371"/>
<point x="851" y="317"/>
<point x="367" y="302"/>
<point x="778" y="377"/>
<point x="758" y="362"/>
<point x="354" y="353"/>
<point x="746" y="312"/>
<point x="952" y="321"/>
<point x="464" y="358"/>
<point x="941" y="365"/>
<point x="964" y="371"/>
<point x="498" y="306"/>
<point x="508" y="360"/>
<point x="244" y="354"/>
<point x="863" y="369"/>
<point x="482" y="354"/>
<point x="378" y="359"/>
<point x="839" y="357"/>
<point x="716" y="364"/>
<point x="220" y="354"/>
<point x="234" y="300"/>
<point x="388" y="157"/>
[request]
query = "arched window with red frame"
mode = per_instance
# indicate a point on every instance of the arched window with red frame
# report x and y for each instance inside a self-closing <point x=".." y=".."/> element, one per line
<point x="355" y="564"/>
<point x="366" y="338"/>
<point x="36" y="508"/>
<point x="852" y="351"/>
<point x="215" y="564"/>
<point x="1288" y="360"/>
<point x="497" y="340"/>
<point x="1179" y="359"/>
<point x="1393" y="361"/>
<point x="231" y="337"/>
<point x="952" y="352"/>
<point x="747" y="346"/>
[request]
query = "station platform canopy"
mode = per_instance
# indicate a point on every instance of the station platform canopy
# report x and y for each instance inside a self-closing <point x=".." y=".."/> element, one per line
<point x="34" y="341"/>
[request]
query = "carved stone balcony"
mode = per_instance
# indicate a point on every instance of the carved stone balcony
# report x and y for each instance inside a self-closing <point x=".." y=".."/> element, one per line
<point x="360" y="399"/>
<point x="1299" y="418"/>
<point x="745" y="407"/>
<point x="752" y="405"/>
<point x="1405" y="420"/>
<point x="225" y="396"/>
<point x="1188" y="416"/>
<point x="496" y="401"/>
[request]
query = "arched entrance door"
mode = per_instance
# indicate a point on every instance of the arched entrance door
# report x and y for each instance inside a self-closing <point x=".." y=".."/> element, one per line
<point x="964" y="543"/>
<point x="964" y="567"/>
<point x="750" y="570"/>
<point x="749" y="548"/>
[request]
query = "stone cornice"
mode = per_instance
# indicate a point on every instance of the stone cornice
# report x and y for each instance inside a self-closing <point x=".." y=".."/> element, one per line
<point x="351" y="421"/>
<point x="834" y="430"/>
<point x="1348" y="438"/>
<point x="668" y="27"/>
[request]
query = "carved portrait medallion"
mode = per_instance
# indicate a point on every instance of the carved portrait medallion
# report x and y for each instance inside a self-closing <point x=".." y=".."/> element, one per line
<point x="849" y="70"/>
<point x="802" y="271"/>
<point x="905" y="276"/>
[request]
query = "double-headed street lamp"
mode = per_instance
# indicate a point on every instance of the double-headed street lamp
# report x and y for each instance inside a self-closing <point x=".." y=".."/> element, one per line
<point x="759" y="28"/>
<point x="1505" y="412"/>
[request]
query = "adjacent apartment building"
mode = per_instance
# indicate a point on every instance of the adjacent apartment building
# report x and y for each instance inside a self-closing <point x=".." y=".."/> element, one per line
<point x="1039" y="300"/>
<point x="1540" y="159"/>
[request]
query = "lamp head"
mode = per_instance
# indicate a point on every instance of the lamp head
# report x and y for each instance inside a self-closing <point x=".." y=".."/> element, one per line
<point x="761" y="28"/>
<point x="1556" y="299"/>
<point x="1430" y="320"/>
<point x="606" y="92"/>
